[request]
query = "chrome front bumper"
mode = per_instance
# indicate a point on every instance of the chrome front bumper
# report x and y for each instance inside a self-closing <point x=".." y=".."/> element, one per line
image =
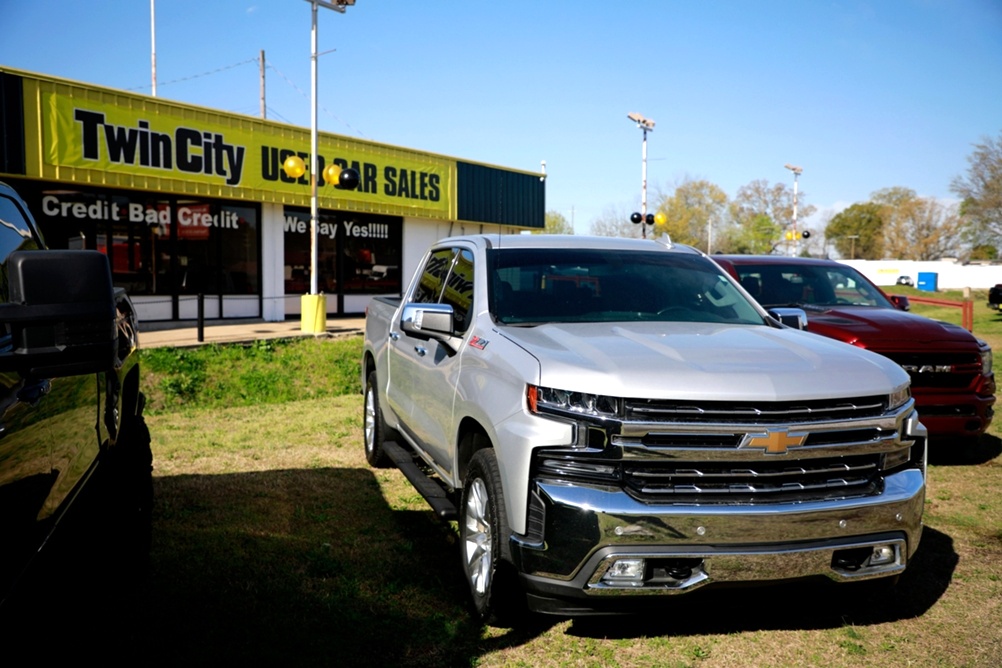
<point x="586" y="529"/>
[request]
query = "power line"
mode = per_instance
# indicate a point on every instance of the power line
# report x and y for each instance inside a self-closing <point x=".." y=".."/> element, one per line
<point x="196" y="76"/>
<point x="305" y="97"/>
<point x="269" y="66"/>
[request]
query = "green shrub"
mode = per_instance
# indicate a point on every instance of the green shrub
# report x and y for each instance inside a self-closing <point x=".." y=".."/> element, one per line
<point x="269" y="372"/>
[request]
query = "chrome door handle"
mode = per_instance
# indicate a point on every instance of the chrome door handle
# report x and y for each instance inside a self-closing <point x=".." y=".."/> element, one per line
<point x="394" y="336"/>
<point x="421" y="351"/>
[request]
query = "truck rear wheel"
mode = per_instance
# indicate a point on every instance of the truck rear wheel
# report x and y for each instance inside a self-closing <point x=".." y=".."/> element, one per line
<point x="483" y="542"/>
<point x="131" y="487"/>
<point x="374" y="427"/>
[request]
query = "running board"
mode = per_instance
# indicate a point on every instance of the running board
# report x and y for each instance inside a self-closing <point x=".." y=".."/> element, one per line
<point x="432" y="491"/>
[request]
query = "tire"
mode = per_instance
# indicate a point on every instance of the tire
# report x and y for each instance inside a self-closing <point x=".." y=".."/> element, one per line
<point x="483" y="543"/>
<point x="374" y="428"/>
<point x="130" y="494"/>
<point x="121" y="543"/>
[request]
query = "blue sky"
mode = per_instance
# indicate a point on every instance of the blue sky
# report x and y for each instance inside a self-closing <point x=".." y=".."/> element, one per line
<point x="862" y="95"/>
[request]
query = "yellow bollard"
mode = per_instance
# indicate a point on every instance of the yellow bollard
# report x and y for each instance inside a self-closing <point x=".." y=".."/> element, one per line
<point x="314" y="314"/>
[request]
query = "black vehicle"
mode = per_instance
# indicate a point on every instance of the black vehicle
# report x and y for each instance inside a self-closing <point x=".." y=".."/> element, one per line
<point x="74" y="447"/>
<point x="995" y="297"/>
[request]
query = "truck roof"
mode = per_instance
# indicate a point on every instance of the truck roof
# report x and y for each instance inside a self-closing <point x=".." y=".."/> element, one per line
<point x="496" y="241"/>
<point x="777" y="259"/>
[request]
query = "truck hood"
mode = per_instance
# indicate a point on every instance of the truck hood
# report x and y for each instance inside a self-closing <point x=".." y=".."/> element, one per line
<point x="883" y="327"/>
<point x="703" y="361"/>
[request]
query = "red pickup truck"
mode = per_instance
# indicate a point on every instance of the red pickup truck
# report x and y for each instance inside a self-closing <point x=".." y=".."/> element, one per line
<point x="951" y="370"/>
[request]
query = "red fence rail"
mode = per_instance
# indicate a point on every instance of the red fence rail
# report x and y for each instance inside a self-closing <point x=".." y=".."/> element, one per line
<point x="966" y="309"/>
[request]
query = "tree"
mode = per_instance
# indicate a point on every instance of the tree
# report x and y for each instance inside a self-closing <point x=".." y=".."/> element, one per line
<point x="917" y="228"/>
<point x="893" y="197"/>
<point x="857" y="232"/>
<point x="555" y="223"/>
<point x="691" y="211"/>
<point x="615" y="223"/>
<point x="758" y="235"/>
<point x="896" y="206"/>
<point x="980" y="192"/>
<point x="757" y="202"/>
<point x="984" y="252"/>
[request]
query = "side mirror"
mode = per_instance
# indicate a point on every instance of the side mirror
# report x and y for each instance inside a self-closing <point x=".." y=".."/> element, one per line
<point x="791" y="317"/>
<point x="900" y="302"/>
<point x="435" y="321"/>
<point x="60" y="313"/>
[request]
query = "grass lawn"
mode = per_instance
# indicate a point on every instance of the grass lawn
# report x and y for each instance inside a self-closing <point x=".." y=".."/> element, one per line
<point x="275" y="543"/>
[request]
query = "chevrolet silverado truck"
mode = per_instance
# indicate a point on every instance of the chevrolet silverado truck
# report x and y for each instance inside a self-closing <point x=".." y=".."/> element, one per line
<point x="613" y="421"/>
<point x="951" y="370"/>
<point x="74" y="447"/>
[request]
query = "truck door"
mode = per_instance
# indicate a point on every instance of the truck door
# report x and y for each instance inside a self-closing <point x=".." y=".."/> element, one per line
<point x="49" y="429"/>
<point x="423" y="372"/>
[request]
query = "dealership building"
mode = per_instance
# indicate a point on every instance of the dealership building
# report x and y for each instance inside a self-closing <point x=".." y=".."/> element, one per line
<point x="189" y="202"/>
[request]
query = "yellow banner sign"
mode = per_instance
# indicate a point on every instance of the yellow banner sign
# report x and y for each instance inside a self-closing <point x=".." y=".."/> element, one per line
<point x="165" y="141"/>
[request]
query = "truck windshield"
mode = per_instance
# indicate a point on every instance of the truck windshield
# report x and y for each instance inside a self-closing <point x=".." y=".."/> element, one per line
<point x="533" y="286"/>
<point x="803" y="285"/>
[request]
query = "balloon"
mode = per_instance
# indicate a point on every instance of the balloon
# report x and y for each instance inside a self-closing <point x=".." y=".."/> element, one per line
<point x="347" y="179"/>
<point x="331" y="173"/>
<point x="294" y="166"/>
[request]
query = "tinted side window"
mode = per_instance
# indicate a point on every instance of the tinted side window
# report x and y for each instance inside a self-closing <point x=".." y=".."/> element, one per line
<point x="459" y="289"/>
<point x="429" y="288"/>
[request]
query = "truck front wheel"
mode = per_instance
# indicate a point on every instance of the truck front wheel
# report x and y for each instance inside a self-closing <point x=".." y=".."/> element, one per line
<point x="375" y="428"/>
<point x="483" y="542"/>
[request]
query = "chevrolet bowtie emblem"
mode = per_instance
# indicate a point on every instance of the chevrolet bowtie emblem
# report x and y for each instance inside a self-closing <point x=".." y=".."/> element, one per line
<point x="776" y="442"/>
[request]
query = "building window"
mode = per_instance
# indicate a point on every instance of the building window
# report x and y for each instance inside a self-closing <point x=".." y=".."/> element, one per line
<point x="356" y="253"/>
<point x="217" y="251"/>
<point x="158" y="245"/>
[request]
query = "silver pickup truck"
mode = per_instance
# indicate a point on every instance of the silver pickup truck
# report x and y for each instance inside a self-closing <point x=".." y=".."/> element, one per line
<point x="610" y="420"/>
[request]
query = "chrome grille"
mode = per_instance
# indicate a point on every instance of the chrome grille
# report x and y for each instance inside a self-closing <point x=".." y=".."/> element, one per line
<point x="779" y="412"/>
<point x="727" y="453"/>
<point x="760" y="482"/>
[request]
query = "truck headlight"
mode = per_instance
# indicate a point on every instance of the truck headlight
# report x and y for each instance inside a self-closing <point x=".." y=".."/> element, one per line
<point x="899" y="397"/>
<point x="543" y="399"/>
<point x="986" y="362"/>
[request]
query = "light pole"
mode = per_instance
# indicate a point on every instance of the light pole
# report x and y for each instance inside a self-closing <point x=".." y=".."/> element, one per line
<point x="646" y="125"/>
<point x="797" y="171"/>
<point x="153" y="45"/>
<point x="314" y="305"/>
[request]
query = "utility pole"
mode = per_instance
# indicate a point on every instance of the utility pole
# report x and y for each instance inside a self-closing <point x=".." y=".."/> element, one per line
<point x="153" y="45"/>
<point x="646" y="125"/>
<point x="797" y="171"/>
<point x="264" y="110"/>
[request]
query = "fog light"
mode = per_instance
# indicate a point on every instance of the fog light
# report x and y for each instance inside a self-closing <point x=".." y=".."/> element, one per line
<point x="892" y="460"/>
<point x="625" y="572"/>
<point x="882" y="555"/>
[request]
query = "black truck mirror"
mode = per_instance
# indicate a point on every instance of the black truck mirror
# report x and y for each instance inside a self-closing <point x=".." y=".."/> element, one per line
<point x="60" y="314"/>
